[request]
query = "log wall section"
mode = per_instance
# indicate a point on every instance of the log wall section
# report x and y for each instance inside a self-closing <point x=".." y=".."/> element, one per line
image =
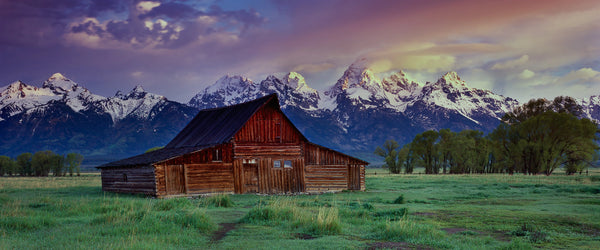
<point x="139" y="180"/>
<point x="271" y="180"/>
<point x="202" y="173"/>
<point x="328" y="170"/>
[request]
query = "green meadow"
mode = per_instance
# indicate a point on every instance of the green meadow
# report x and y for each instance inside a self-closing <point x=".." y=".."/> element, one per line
<point x="493" y="211"/>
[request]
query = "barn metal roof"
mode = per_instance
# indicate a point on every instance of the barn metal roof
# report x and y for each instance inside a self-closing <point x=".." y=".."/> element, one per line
<point x="218" y="125"/>
<point x="153" y="157"/>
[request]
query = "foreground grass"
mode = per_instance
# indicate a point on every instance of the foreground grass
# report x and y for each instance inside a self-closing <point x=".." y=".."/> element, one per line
<point x="396" y="211"/>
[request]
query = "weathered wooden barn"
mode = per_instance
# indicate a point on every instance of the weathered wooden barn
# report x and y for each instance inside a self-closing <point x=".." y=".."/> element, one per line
<point x="245" y="148"/>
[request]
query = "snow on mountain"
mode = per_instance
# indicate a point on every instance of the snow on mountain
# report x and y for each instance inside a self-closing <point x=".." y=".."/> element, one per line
<point x="228" y="90"/>
<point x="59" y="84"/>
<point x="591" y="107"/>
<point x="19" y="97"/>
<point x="296" y="81"/>
<point x="452" y="93"/>
<point x="138" y="103"/>
<point x="359" y="87"/>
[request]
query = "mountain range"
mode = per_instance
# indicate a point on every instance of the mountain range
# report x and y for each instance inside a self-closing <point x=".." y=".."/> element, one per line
<point x="356" y="114"/>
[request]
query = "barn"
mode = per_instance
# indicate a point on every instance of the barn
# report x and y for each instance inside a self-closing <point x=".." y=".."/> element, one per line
<point x="250" y="147"/>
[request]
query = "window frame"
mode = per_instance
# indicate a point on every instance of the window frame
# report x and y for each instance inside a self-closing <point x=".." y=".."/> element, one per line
<point x="217" y="155"/>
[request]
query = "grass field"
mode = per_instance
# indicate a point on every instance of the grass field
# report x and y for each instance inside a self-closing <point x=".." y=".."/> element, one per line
<point x="396" y="211"/>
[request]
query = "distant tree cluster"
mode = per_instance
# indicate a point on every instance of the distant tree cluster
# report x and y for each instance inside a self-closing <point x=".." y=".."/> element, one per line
<point x="536" y="138"/>
<point x="41" y="163"/>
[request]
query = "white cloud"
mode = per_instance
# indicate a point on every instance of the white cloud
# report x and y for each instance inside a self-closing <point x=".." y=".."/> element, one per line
<point x="581" y="76"/>
<point x="512" y="63"/>
<point x="526" y="74"/>
<point x="146" y="6"/>
<point x="313" y="68"/>
<point x="136" y="74"/>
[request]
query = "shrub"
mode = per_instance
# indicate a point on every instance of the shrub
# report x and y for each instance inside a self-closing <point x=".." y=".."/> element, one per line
<point x="532" y="233"/>
<point x="368" y="206"/>
<point x="399" y="200"/>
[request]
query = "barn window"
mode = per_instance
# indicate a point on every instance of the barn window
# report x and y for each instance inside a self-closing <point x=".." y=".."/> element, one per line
<point x="277" y="164"/>
<point x="125" y="177"/>
<point x="287" y="164"/>
<point x="217" y="155"/>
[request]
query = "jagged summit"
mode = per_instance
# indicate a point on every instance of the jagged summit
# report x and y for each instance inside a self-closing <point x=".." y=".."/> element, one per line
<point x="399" y="84"/>
<point x="60" y="84"/>
<point x="297" y="81"/>
<point x="58" y="76"/>
<point x="138" y="89"/>
<point x="357" y="76"/>
<point x="230" y="82"/>
<point x="452" y="78"/>
<point x="232" y="89"/>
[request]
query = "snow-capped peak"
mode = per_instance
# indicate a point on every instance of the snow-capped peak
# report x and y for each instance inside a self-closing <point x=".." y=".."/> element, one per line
<point x="398" y="83"/>
<point x="58" y="76"/>
<point x="138" y="89"/>
<point x="296" y="81"/>
<point x="230" y="83"/>
<point x="16" y="89"/>
<point x="60" y="84"/>
<point x="138" y="92"/>
<point x="452" y="78"/>
<point x="358" y="75"/>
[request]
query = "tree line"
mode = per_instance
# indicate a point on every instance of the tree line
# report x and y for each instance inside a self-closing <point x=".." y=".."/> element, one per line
<point x="41" y="164"/>
<point x="535" y="138"/>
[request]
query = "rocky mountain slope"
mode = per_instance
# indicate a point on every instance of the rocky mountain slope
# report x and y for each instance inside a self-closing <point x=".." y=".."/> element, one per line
<point x="64" y="117"/>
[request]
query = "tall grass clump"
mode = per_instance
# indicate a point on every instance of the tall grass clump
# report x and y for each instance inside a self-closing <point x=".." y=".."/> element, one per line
<point x="285" y="212"/>
<point x="327" y="222"/>
<point x="273" y="213"/>
<point x="219" y="200"/>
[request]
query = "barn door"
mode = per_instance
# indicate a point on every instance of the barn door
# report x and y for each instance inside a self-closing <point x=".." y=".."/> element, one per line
<point x="250" y="176"/>
<point x="175" y="179"/>
<point x="354" y="177"/>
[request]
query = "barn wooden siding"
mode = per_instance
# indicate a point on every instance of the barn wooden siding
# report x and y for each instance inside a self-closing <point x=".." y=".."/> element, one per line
<point x="268" y="136"/>
<point x="328" y="170"/>
<point x="196" y="173"/>
<point x="138" y="180"/>
<point x="268" y="125"/>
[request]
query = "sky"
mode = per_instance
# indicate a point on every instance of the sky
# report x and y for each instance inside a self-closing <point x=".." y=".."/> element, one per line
<point x="521" y="49"/>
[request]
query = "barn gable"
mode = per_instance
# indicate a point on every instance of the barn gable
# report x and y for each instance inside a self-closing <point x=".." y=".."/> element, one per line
<point x="246" y="148"/>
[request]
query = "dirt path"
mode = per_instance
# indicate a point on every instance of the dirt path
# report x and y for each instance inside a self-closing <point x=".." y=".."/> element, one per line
<point x="224" y="228"/>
